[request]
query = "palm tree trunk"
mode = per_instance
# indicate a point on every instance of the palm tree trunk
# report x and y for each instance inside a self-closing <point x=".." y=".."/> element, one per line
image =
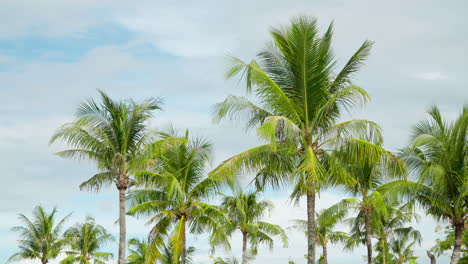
<point x="244" y="247"/>
<point x="384" y="253"/>
<point x="367" y="214"/>
<point x="183" y="257"/>
<point x="325" y="253"/>
<point x="459" y="229"/>
<point x="431" y="256"/>
<point x="122" y="225"/>
<point x="311" y="229"/>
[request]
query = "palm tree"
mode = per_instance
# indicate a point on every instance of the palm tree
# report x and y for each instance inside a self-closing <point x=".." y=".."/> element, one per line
<point x="300" y="99"/>
<point x="245" y="212"/>
<point x="369" y="174"/>
<point x="114" y="135"/>
<point x="438" y="155"/>
<point x="174" y="196"/>
<point x="326" y="223"/>
<point x="392" y="234"/>
<point x="138" y="251"/>
<point x="40" y="237"/>
<point x="85" y="241"/>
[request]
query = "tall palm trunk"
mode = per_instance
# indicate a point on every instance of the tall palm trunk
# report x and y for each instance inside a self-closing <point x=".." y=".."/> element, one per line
<point x="325" y="253"/>
<point x="311" y="228"/>
<point x="183" y="257"/>
<point x="122" y="225"/>
<point x="459" y="229"/>
<point x="367" y="214"/>
<point x="384" y="254"/>
<point x="244" y="247"/>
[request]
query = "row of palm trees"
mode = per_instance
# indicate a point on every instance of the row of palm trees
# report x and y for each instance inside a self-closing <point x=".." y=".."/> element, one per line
<point x="42" y="237"/>
<point x="295" y="100"/>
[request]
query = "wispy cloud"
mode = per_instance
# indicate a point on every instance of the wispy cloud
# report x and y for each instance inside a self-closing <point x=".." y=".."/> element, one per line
<point x="431" y="76"/>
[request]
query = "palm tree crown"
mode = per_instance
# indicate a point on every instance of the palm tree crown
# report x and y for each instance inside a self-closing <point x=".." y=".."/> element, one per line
<point x="40" y="237"/>
<point x="85" y="241"/>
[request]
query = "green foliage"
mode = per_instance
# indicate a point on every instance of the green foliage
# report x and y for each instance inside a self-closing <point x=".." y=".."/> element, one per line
<point x="138" y="250"/>
<point x="113" y="134"/>
<point x="85" y="241"/>
<point x="439" y="157"/>
<point x="40" y="238"/>
<point x="173" y="195"/>
<point x="245" y="213"/>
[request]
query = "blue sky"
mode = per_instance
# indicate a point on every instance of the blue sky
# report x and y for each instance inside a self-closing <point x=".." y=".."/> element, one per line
<point x="54" y="54"/>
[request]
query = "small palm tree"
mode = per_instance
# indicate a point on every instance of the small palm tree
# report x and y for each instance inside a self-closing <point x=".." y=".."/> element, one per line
<point x="114" y="135"/>
<point x="300" y="100"/>
<point x="245" y="212"/>
<point x="40" y="237"/>
<point x="138" y="251"/>
<point x="174" y="196"/>
<point x="326" y="223"/>
<point x="394" y="238"/>
<point x="439" y="157"/>
<point x="85" y="241"/>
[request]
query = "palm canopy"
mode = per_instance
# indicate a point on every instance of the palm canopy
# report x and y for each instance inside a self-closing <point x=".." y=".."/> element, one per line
<point x="245" y="212"/>
<point x="438" y="157"/>
<point x="40" y="237"/>
<point x="113" y="134"/>
<point x="174" y="196"/>
<point x="298" y="101"/>
<point x="85" y="241"/>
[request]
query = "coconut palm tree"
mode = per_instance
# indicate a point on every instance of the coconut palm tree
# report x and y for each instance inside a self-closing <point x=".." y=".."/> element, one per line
<point x="113" y="134"/>
<point x="40" y="237"/>
<point x="245" y="212"/>
<point x="298" y="101"/>
<point x="138" y="250"/>
<point x="85" y="241"/>
<point x="438" y="155"/>
<point x="326" y="223"/>
<point x="174" y="196"/>
<point x="369" y="174"/>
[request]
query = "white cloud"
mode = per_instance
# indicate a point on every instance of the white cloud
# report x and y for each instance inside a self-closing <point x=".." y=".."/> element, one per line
<point x="431" y="76"/>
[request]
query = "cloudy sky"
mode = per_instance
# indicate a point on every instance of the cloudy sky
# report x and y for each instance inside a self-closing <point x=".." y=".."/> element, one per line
<point x="56" y="53"/>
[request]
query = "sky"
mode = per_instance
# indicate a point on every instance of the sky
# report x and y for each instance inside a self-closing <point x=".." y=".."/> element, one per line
<point x="55" y="54"/>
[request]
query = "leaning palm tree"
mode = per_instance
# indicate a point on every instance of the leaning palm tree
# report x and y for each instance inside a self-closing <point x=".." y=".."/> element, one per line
<point x="138" y="250"/>
<point x="174" y="196"/>
<point x="113" y="134"/>
<point x="326" y="223"/>
<point x="298" y="101"/>
<point x="245" y="212"/>
<point x="85" y="241"/>
<point x="438" y="155"/>
<point x="40" y="237"/>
